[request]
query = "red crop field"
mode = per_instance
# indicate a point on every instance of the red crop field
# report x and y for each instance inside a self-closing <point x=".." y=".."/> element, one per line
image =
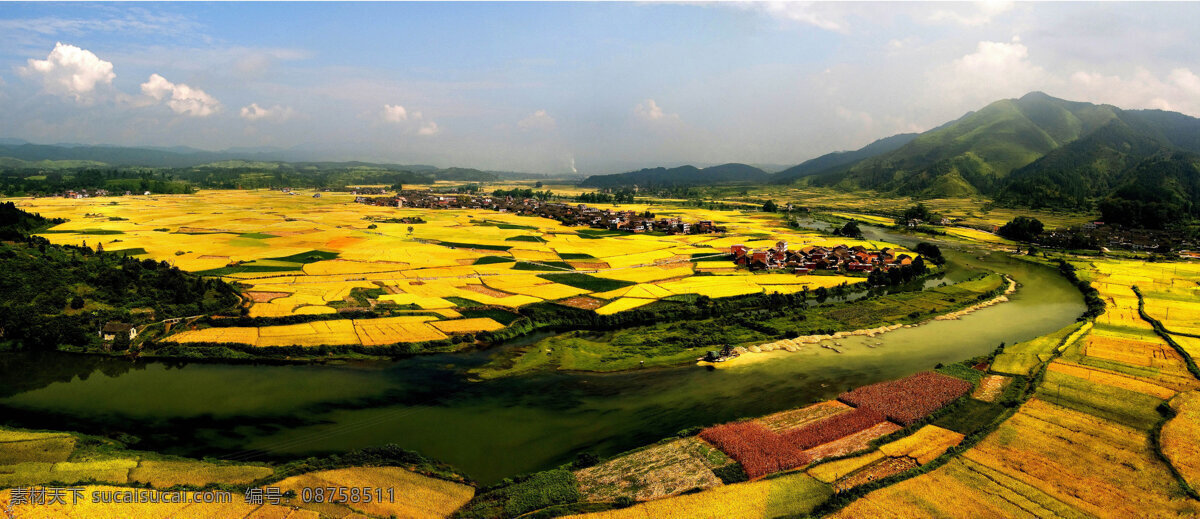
<point x="832" y="428"/>
<point x="908" y="399"/>
<point x="758" y="449"/>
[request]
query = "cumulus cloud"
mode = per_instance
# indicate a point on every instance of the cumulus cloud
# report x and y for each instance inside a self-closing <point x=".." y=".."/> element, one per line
<point x="253" y="112"/>
<point x="1177" y="91"/>
<point x="539" y="120"/>
<point x="429" y="128"/>
<point x="649" y="110"/>
<point x="70" y="71"/>
<point x="394" y="113"/>
<point x="995" y="70"/>
<point x="182" y="99"/>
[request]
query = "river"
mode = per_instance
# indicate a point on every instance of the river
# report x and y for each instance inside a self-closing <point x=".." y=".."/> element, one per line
<point x="498" y="428"/>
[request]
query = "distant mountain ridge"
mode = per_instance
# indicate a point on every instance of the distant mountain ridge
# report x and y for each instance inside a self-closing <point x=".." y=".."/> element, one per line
<point x="831" y="161"/>
<point x="1035" y="150"/>
<point x="680" y="176"/>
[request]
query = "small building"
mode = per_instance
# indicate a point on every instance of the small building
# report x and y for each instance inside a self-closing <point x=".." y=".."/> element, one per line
<point x="112" y="329"/>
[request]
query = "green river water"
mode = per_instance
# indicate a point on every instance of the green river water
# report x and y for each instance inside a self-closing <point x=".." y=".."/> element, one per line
<point x="497" y="428"/>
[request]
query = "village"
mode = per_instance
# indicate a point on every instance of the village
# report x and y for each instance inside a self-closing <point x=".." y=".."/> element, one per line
<point x="811" y="258"/>
<point x="567" y="214"/>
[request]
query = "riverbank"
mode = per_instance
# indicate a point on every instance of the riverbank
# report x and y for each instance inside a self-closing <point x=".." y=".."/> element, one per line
<point x="800" y="343"/>
<point x="680" y="343"/>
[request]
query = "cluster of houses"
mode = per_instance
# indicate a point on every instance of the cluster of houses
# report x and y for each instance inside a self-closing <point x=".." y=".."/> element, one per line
<point x="92" y="193"/>
<point x="567" y="214"/>
<point x="812" y="257"/>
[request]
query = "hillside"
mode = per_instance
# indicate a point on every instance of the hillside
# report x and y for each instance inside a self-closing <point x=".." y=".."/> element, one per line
<point x="1037" y="151"/>
<point x="680" y="176"/>
<point x="831" y="161"/>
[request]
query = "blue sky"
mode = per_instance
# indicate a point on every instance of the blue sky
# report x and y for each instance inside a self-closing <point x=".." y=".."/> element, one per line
<point x="545" y="87"/>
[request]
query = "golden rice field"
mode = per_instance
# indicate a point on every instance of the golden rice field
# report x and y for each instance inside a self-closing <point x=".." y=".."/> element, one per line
<point x="298" y="255"/>
<point x="792" y="494"/>
<point x="654" y="472"/>
<point x="1181" y="434"/>
<point x="416" y="496"/>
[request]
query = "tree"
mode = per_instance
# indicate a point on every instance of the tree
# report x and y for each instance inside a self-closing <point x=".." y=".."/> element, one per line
<point x="538" y="185"/>
<point x="770" y="206"/>
<point x="850" y="230"/>
<point x="77" y="302"/>
<point x="1022" y="228"/>
<point x="931" y="251"/>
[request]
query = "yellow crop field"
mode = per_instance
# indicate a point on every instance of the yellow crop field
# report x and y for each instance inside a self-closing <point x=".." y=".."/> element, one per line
<point x="1112" y="379"/>
<point x="835" y="470"/>
<point x="924" y="445"/>
<point x="165" y="474"/>
<point x="650" y="473"/>
<point x="1181" y="434"/>
<point x="977" y="235"/>
<point x="416" y="496"/>
<point x="792" y="494"/>
<point x="622" y="304"/>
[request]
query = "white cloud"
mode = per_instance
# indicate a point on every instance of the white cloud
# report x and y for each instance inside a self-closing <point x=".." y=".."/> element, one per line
<point x="971" y="15"/>
<point x="182" y="99"/>
<point x="253" y="112"/>
<point x="996" y="70"/>
<point x="394" y="113"/>
<point x="70" y="71"/>
<point x="817" y="15"/>
<point x="650" y="111"/>
<point x="1178" y="91"/>
<point x="539" y="120"/>
<point x="429" y="128"/>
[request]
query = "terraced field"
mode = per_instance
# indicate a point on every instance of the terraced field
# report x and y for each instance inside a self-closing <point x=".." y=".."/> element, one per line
<point x="295" y="255"/>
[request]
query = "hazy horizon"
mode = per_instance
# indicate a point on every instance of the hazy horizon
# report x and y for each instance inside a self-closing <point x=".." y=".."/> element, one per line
<point x="556" y="87"/>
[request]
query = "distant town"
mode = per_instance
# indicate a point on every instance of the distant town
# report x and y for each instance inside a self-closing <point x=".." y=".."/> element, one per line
<point x="809" y="258"/>
<point x="567" y="214"/>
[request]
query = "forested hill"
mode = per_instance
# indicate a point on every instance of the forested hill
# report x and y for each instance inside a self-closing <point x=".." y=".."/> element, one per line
<point x="53" y="295"/>
<point x="1036" y="150"/>
<point x="831" y="162"/>
<point x="680" y="176"/>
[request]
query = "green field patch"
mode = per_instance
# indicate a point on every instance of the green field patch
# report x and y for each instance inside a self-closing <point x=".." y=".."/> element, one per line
<point x="85" y="232"/>
<point x="238" y="269"/>
<point x="712" y="256"/>
<point x="488" y="260"/>
<point x="526" y="237"/>
<point x="311" y="256"/>
<point x="543" y="265"/>
<point x="596" y="234"/>
<point x="128" y="252"/>
<point x="501" y="316"/>
<point x="970" y="415"/>
<point x="574" y="255"/>
<point x="462" y="302"/>
<point x="460" y="245"/>
<point x="1023" y="357"/>
<point x="1137" y="410"/>
<point x="587" y="282"/>
<point x="257" y="235"/>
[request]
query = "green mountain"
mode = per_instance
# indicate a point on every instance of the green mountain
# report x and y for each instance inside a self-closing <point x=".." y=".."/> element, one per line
<point x="830" y="162"/>
<point x="1043" y="152"/>
<point x="680" y="176"/>
<point x="1158" y="192"/>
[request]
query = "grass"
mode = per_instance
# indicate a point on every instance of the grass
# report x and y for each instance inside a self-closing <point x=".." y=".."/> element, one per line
<point x="311" y="256"/>
<point x="587" y="282"/>
<point x="501" y="316"/>
<point x="575" y="256"/>
<point x="461" y="245"/>
<point x="257" y="235"/>
<point x="489" y="260"/>
<point x="543" y="265"/>
<point x="969" y="415"/>
<point x="541" y="490"/>
<point x="1023" y="357"/>
<point x="528" y="238"/>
